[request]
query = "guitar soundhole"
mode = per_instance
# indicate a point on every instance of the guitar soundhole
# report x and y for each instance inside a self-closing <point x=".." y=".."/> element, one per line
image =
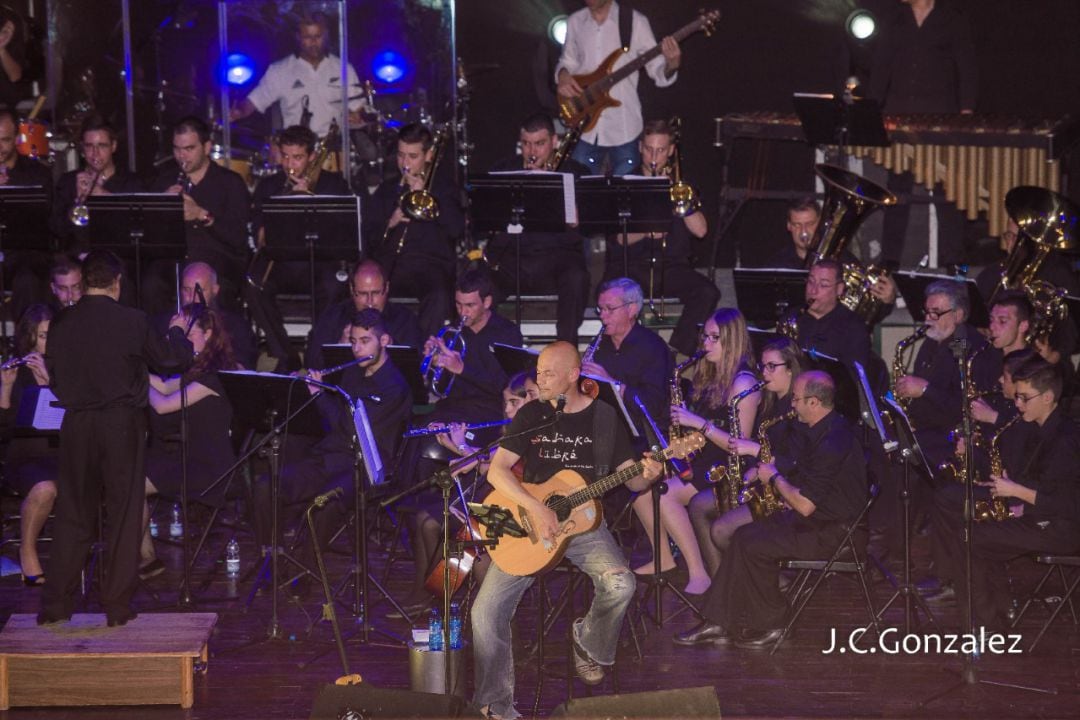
<point x="558" y="504"/>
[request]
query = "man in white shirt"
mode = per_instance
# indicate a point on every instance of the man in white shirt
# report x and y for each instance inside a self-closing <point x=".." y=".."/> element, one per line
<point x="592" y="33"/>
<point x="306" y="83"/>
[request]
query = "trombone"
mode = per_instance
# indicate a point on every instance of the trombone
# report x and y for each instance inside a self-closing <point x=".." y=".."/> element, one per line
<point x="420" y="205"/>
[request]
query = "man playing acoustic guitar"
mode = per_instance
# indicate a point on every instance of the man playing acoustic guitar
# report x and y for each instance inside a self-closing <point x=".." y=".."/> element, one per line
<point x="588" y="438"/>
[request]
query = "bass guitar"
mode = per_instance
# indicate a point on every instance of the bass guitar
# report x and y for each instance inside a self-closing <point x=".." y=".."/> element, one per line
<point x="583" y="111"/>
<point x="575" y="505"/>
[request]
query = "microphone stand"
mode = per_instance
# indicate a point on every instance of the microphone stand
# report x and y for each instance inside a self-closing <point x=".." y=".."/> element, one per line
<point x="444" y="480"/>
<point x="969" y="672"/>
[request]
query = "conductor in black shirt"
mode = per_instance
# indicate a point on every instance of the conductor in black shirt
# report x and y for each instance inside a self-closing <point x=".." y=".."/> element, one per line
<point x="98" y="357"/>
<point x="824" y="492"/>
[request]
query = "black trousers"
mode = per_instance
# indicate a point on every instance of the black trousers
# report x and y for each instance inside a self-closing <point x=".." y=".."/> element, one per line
<point x="887" y="514"/>
<point x="101" y="453"/>
<point x="299" y="483"/>
<point x="947" y="526"/>
<point x="559" y="270"/>
<point x="426" y="277"/>
<point x="697" y="295"/>
<point x="745" y="592"/>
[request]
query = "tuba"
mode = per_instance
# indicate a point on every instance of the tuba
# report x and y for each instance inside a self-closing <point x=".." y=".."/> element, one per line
<point x="1047" y="221"/>
<point x="849" y="200"/>
<point x="761" y="497"/>
<point x="437" y="379"/>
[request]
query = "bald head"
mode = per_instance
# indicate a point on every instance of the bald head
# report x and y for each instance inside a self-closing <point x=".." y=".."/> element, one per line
<point x="557" y="370"/>
<point x="369" y="286"/>
<point x="813" y="396"/>
<point x="207" y="279"/>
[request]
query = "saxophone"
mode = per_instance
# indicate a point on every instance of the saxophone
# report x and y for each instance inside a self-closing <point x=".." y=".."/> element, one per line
<point x="587" y="384"/>
<point x="677" y="399"/>
<point x="899" y="364"/>
<point x="731" y="474"/>
<point x="995" y="509"/>
<point x="761" y="497"/>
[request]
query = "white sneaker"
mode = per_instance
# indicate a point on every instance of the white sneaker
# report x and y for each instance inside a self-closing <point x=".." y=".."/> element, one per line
<point x="590" y="671"/>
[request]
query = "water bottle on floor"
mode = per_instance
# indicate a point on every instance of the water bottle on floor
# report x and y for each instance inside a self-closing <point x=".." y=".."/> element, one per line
<point x="435" y="636"/>
<point x="176" y="525"/>
<point x="232" y="558"/>
<point x="455" y="626"/>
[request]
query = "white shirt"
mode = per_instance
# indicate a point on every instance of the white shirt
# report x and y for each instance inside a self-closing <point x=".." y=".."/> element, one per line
<point x="587" y="45"/>
<point x="291" y="79"/>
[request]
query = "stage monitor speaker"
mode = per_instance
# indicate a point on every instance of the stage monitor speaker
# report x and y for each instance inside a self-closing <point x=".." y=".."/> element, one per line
<point x="353" y="702"/>
<point x="699" y="702"/>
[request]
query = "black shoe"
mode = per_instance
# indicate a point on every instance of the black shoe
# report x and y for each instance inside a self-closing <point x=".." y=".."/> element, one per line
<point x="151" y="569"/>
<point x="929" y="586"/>
<point x="704" y="634"/>
<point x="760" y="641"/>
<point x="45" y="618"/>
<point x="945" y="594"/>
<point x="120" y="617"/>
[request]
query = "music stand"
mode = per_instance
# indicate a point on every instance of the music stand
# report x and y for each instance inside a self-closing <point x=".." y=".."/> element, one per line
<point x="518" y="202"/>
<point x="912" y="287"/>
<point x="513" y="359"/>
<point x="847" y="401"/>
<point x="840" y="121"/>
<point x="407" y="360"/>
<point x="766" y="295"/>
<point x="312" y="227"/>
<point x="1073" y="304"/>
<point x="609" y="205"/>
<point x="273" y="404"/>
<point x="119" y="222"/>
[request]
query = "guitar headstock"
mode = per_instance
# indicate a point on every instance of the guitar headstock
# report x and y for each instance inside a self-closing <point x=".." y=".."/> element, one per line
<point x="685" y="446"/>
<point x="708" y="19"/>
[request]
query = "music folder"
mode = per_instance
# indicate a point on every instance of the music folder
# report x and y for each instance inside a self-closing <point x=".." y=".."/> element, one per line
<point x="291" y="220"/>
<point x="767" y="294"/>
<point x="156" y="220"/>
<point x="38" y="410"/>
<point x="912" y="284"/>
<point x="369" y="449"/>
<point x="513" y="359"/>
<point x="519" y="201"/>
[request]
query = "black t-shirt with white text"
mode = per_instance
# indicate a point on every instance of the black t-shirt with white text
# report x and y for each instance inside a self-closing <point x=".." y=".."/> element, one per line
<point x="566" y="445"/>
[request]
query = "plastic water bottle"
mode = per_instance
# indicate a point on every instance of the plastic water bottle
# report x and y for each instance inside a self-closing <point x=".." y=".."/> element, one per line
<point x="435" y="630"/>
<point x="153" y="527"/>
<point x="176" y="525"/>
<point x="455" y="626"/>
<point x="232" y="557"/>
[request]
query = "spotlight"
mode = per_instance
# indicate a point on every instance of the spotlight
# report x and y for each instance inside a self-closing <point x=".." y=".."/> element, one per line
<point x="861" y="24"/>
<point x="239" y="69"/>
<point x="389" y="66"/>
<point x="557" y="29"/>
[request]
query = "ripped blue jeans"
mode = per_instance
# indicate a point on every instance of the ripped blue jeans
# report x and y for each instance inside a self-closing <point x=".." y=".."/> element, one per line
<point x="594" y="553"/>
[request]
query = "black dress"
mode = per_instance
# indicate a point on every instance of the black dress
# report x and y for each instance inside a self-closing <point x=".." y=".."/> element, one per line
<point x="712" y="454"/>
<point x="28" y="460"/>
<point x="210" y="449"/>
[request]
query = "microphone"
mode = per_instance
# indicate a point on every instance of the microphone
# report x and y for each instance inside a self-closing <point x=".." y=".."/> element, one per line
<point x="560" y="404"/>
<point x="321" y="500"/>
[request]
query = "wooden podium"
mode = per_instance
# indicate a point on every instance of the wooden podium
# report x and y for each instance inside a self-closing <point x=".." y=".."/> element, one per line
<point x="149" y="661"/>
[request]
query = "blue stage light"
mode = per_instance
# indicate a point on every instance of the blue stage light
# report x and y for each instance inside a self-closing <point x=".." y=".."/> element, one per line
<point x="239" y="69"/>
<point x="389" y="66"/>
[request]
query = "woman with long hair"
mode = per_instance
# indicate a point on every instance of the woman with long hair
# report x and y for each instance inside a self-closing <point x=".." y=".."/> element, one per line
<point x="31" y="466"/>
<point x="722" y="373"/>
<point x="209" y="417"/>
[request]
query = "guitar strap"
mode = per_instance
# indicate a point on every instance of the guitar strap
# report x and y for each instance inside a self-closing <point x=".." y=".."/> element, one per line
<point x="626" y="25"/>
<point x="604" y="420"/>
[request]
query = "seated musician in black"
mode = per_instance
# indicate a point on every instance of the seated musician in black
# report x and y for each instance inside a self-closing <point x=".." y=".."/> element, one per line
<point x="24" y="270"/>
<point x="30" y="465"/>
<point x="1046" y="489"/>
<point x="298" y="176"/>
<point x="101" y="176"/>
<point x="666" y="257"/>
<point x="1010" y="322"/>
<point x="827" y="326"/>
<point x="550" y="262"/>
<point x="418" y="255"/>
<point x="368" y="288"/>
<point x="209" y="419"/>
<point x="216" y="213"/>
<point x="65" y="282"/>
<point x="330" y="463"/>
<point x="823" y="493"/>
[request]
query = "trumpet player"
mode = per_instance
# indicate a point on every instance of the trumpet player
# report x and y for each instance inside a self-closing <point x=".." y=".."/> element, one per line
<point x="662" y="261"/>
<point x="99" y="176"/>
<point x="418" y="254"/>
<point x="550" y="262"/>
<point x="66" y="283"/>
<point x="300" y="174"/>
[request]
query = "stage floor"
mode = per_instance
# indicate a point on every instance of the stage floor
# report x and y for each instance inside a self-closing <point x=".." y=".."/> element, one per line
<point x="280" y="679"/>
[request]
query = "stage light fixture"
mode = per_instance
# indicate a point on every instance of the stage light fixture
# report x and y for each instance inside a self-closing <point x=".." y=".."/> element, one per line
<point x="557" y="29"/>
<point x="239" y="69"/>
<point x="389" y="66"/>
<point x="861" y="24"/>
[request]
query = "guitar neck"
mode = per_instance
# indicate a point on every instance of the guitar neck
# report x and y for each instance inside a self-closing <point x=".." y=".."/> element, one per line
<point x="612" y="481"/>
<point x="642" y="60"/>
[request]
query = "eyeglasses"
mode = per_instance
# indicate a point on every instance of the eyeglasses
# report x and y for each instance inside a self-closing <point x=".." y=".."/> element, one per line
<point x="796" y="398"/>
<point x="600" y="309"/>
<point x="1025" y="399"/>
<point x="369" y="293"/>
<point x="711" y="337"/>
<point x="935" y="314"/>
<point x="771" y="366"/>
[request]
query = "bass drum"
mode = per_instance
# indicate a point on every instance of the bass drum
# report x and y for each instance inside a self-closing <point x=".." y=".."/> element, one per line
<point x="33" y="139"/>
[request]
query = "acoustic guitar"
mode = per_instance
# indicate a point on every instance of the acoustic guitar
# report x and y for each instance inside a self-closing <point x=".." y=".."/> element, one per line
<point x="576" y="506"/>
<point x="583" y="111"/>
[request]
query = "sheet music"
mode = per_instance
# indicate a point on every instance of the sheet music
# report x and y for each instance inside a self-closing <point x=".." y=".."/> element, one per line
<point x="47" y="416"/>
<point x="872" y="409"/>
<point x="372" y="460"/>
<point x="619" y="404"/>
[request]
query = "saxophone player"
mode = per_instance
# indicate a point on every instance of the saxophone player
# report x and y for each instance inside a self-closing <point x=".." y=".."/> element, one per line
<point x="550" y="262"/>
<point x="825" y="491"/>
<point x="662" y="261"/>
<point x="300" y="174"/>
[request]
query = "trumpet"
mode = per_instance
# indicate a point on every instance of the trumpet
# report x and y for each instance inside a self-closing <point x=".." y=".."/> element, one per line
<point x="79" y="214"/>
<point x="184" y="181"/>
<point x="436" y="377"/>
<point x="437" y="428"/>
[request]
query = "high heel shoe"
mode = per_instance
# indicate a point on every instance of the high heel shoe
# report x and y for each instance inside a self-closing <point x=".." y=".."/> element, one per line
<point x="33" y="580"/>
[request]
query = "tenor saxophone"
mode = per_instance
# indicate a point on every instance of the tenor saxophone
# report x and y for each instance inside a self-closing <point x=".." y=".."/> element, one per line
<point x="727" y="479"/>
<point x="995" y="509"/>
<point x="761" y="497"/>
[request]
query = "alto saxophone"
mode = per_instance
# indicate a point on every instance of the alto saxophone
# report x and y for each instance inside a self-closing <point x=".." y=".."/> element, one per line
<point x="677" y="399"/>
<point x="899" y="364"/>
<point x="761" y="497"/>
<point x="956" y="467"/>
<point x="731" y="474"/>
<point x="995" y="509"/>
